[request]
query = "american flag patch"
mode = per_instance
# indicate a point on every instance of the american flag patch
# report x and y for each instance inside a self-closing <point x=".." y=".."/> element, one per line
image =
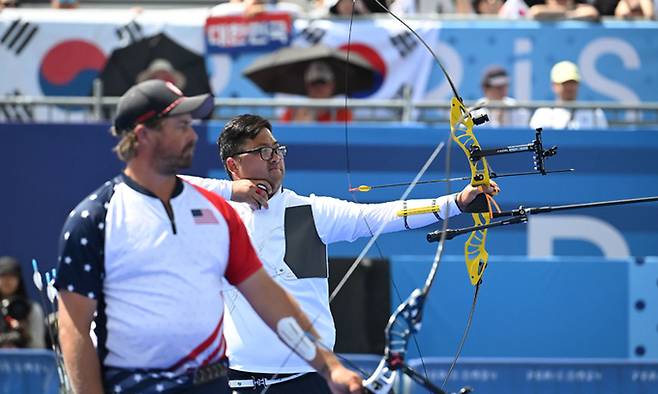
<point x="204" y="216"/>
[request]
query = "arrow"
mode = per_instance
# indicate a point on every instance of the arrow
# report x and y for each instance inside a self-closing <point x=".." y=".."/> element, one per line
<point x="493" y="175"/>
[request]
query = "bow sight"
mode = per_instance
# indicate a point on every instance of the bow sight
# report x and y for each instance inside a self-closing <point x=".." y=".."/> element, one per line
<point x="536" y="146"/>
<point x="477" y="154"/>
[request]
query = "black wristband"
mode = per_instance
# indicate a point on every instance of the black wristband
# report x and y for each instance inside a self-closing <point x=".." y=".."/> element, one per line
<point x="436" y="213"/>
<point x="457" y="203"/>
<point x="404" y="208"/>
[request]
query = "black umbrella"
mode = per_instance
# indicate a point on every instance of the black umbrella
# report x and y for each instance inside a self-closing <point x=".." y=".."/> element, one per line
<point x="283" y="71"/>
<point x="156" y="57"/>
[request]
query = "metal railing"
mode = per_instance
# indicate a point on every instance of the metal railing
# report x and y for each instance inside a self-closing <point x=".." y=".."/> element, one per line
<point x="99" y="108"/>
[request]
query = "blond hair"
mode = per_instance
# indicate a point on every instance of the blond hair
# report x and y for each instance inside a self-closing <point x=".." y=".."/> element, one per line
<point x="126" y="148"/>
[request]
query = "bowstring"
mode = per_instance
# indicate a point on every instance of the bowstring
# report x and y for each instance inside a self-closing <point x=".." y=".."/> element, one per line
<point x="439" y="251"/>
<point x="440" y="248"/>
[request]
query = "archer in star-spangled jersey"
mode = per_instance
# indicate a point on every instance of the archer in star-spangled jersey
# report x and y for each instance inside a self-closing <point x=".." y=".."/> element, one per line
<point x="144" y="256"/>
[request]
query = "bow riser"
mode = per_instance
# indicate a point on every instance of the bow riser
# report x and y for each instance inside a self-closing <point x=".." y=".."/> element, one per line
<point x="461" y="130"/>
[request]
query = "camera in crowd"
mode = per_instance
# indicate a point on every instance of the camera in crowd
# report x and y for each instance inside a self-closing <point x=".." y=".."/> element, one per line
<point x="14" y="312"/>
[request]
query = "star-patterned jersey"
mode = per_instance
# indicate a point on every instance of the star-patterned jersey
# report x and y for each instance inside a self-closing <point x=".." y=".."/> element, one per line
<point x="156" y="275"/>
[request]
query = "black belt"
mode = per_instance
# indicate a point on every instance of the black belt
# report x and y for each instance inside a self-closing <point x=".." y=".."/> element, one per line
<point x="208" y="373"/>
<point x="242" y="379"/>
<point x="139" y="380"/>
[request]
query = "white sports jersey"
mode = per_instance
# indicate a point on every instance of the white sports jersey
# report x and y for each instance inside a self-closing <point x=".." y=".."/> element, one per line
<point x="155" y="275"/>
<point x="291" y="239"/>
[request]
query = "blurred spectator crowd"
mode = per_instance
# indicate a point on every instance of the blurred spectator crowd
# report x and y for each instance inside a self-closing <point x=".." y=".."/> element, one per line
<point x="319" y="80"/>
<point x="565" y="83"/>
<point x="510" y="9"/>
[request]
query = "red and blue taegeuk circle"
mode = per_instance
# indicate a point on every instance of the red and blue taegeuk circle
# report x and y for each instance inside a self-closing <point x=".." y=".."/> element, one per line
<point x="375" y="61"/>
<point x="69" y="68"/>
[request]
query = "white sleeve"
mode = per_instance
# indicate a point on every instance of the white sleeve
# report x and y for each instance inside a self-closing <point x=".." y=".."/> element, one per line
<point x="538" y="118"/>
<point x="600" y="120"/>
<point x="222" y="187"/>
<point x="339" y="220"/>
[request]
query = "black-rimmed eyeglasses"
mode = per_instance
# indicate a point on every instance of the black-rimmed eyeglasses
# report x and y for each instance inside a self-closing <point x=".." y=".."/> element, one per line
<point x="266" y="152"/>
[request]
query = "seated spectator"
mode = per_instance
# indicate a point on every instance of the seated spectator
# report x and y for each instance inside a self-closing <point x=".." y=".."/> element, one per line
<point x="8" y="4"/>
<point x="514" y="9"/>
<point x="423" y="7"/>
<point x="605" y="7"/>
<point x="340" y="8"/>
<point x="635" y="9"/>
<point x="163" y="70"/>
<point x="319" y="83"/>
<point x="254" y="7"/>
<point x="566" y="81"/>
<point x="564" y="9"/>
<point x="64" y="4"/>
<point x="487" y="7"/>
<point x="495" y="85"/>
<point x="21" y="319"/>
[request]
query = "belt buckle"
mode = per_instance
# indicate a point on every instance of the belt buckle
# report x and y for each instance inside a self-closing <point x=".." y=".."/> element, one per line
<point x="208" y="373"/>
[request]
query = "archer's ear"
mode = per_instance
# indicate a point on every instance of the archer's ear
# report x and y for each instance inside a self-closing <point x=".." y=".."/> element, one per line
<point x="140" y="132"/>
<point x="232" y="167"/>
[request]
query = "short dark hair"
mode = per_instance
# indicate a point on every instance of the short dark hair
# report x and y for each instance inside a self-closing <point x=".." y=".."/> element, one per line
<point x="495" y="76"/>
<point x="236" y="132"/>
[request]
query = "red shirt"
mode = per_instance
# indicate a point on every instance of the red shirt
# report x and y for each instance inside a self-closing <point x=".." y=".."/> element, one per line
<point x="329" y="115"/>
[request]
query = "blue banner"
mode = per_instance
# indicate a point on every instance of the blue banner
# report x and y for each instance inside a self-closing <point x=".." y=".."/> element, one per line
<point x="617" y="60"/>
<point x="558" y="308"/>
<point x="504" y="376"/>
<point x="28" y="371"/>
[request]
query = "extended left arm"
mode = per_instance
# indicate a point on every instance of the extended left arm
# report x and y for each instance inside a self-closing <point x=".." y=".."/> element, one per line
<point x="339" y="220"/>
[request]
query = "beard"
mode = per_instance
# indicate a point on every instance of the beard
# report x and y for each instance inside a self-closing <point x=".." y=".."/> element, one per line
<point x="169" y="163"/>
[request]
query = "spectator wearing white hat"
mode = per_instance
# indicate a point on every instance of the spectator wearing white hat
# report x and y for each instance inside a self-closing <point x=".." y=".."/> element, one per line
<point x="256" y="7"/>
<point x="65" y="4"/>
<point x="495" y="85"/>
<point x="566" y="81"/>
